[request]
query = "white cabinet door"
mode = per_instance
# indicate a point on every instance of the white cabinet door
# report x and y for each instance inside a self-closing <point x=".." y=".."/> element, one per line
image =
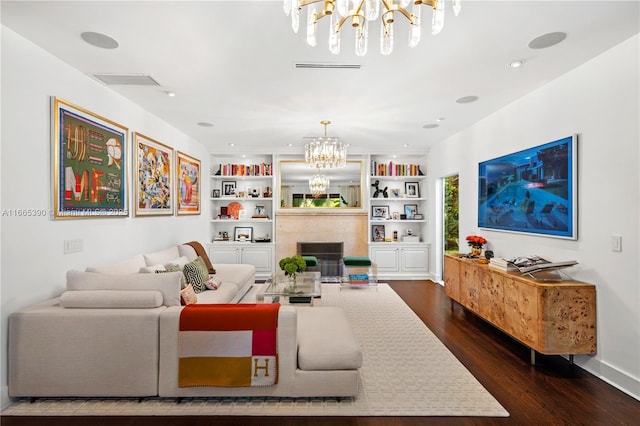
<point x="414" y="259"/>
<point x="224" y="255"/>
<point x="385" y="258"/>
<point x="261" y="257"/>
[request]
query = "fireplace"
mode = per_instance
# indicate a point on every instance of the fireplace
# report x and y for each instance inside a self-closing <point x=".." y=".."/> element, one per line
<point x="329" y="255"/>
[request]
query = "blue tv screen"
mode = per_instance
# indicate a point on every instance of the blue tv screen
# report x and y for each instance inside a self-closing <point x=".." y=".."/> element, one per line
<point x="531" y="191"/>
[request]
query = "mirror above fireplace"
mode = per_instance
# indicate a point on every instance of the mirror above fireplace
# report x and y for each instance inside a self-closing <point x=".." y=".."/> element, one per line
<point x="344" y="190"/>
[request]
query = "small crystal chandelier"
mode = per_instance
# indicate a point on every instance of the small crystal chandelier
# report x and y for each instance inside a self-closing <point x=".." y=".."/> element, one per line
<point x="318" y="184"/>
<point x="360" y="13"/>
<point x="325" y="152"/>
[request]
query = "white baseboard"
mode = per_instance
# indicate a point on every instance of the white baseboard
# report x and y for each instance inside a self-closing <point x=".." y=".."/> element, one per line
<point x="610" y="374"/>
<point x="5" y="400"/>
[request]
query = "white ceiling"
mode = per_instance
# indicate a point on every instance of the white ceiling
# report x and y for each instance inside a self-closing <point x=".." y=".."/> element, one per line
<point x="231" y="63"/>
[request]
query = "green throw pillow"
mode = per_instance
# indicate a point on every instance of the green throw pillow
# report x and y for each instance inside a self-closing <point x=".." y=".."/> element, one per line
<point x="197" y="274"/>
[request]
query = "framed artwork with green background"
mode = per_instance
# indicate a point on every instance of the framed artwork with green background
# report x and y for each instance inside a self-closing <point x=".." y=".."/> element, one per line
<point x="90" y="164"/>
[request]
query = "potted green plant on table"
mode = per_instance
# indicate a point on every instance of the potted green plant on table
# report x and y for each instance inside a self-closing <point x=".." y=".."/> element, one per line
<point x="292" y="265"/>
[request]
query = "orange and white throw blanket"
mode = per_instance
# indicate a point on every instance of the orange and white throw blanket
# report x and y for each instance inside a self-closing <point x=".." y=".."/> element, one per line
<point x="228" y="345"/>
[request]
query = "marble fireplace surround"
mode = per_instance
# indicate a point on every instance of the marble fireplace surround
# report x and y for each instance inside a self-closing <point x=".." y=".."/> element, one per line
<point x="294" y="226"/>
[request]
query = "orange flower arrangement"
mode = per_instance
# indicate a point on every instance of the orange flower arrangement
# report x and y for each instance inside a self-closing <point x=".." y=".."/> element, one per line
<point x="476" y="241"/>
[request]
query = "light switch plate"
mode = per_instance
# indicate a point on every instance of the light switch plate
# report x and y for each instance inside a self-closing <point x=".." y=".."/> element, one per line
<point x="72" y="246"/>
<point x="616" y="243"/>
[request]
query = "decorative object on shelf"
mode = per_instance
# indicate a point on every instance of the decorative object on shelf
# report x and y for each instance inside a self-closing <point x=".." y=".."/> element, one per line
<point x="215" y="193"/>
<point x="379" y="191"/>
<point x="380" y="212"/>
<point x="228" y="187"/>
<point x="395" y="192"/>
<point x="154" y="170"/>
<point x="188" y="184"/>
<point x="410" y="210"/>
<point x="396" y="215"/>
<point x="377" y="233"/>
<point x="233" y="209"/>
<point x="360" y="13"/>
<point x="476" y="242"/>
<point x="318" y="184"/>
<point x="292" y="265"/>
<point x="254" y="191"/>
<point x="412" y="189"/>
<point x="243" y="234"/>
<point x="488" y="254"/>
<point x="325" y="152"/>
<point x="259" y="213"/>
<point x="267" y="193"/>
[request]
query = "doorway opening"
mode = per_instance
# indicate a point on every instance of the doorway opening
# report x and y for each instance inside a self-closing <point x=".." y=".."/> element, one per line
<point x="450" y="215"/>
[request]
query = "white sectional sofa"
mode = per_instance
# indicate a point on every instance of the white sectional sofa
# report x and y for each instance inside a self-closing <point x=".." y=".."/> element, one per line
<point x="114" y="333"/>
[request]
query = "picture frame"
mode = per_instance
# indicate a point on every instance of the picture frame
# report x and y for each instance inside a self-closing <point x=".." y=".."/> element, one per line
<point x="254" y="191"/>
<point x="153" y="170"/>
<point x="396" y="215"/>
<point x="188" y="184"/>
<point x="241" y="194"/>
<point x="228" y="188"/>
<point x="90" y="164"/>
<point x="533" y="191"/>
<point x="259" y="212"/>
<point x="215" y="193"/>
<point x="410" y="210"/>
<point x="380" y="212"/>
<point x="412" y="189"/>
<point x="243" y="233"/>
<point x="395" y="192"/>
<point x="377" y="233"/>
<point x="418" y="216"/>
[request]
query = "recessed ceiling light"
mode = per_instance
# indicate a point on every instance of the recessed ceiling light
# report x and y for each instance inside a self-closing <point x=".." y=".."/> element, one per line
<point x="289" y="144"/>
<point x="170" y="94"/>
<point x="440" y="119"/>
<point x="547" y="40"/>
<point x="102" y="41"/>
<point x="516" y="64"/>
<point x="405" y="145"/>
<point x="394" y="156"/>
<point x="466" y="99"/>
<point x="205" y="124"/>
<point x="430" y="126"/>
<point x="232" y="144"/>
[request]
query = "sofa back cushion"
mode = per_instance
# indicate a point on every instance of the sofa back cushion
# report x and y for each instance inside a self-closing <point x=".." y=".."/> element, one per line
<point x="168" y="283"/>
<point x="111" y="299"/>
<point x="129" y="266"/>
<point x="163" y="256"/>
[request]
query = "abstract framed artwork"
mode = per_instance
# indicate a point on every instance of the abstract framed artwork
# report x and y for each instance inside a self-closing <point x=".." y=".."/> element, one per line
<point x="188" y="179"/>
<point x="89" y="164"/>
<point x="533" y="191"/>
<point x="153" y="171"/>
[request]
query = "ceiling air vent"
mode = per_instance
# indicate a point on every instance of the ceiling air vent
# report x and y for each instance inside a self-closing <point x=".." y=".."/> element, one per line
<point x="126" y="79"/>
<point x="320" y="65"/>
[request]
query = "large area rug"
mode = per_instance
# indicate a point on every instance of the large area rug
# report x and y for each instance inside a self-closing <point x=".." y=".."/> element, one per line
<point x="407" y="371"/>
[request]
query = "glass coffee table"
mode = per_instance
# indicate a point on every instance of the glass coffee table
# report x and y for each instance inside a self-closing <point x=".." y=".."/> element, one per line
<point x="303" y="291"/>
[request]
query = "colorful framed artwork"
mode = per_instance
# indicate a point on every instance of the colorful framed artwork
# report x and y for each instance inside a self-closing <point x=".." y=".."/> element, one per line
<point x="188" y="180"/>
<point x="153" y="171"/>
<point x="90" y="164"/>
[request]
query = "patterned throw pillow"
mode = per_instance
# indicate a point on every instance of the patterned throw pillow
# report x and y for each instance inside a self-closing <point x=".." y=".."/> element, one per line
<point x="188" y="296"/>
<point x="197" y="274"/>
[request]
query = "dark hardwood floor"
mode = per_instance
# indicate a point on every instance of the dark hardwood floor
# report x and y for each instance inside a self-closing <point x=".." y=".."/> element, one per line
<point x="554" y="392"/>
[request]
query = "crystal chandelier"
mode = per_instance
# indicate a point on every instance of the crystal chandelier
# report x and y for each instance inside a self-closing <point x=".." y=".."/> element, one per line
<point x="360" y="13"/>
<point x="325" y="152"/>
<point x="318" y="184"/>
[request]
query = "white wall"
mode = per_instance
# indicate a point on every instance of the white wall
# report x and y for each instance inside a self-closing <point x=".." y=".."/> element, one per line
<point x="33" y="264"/>
<point x="600" y="102"/>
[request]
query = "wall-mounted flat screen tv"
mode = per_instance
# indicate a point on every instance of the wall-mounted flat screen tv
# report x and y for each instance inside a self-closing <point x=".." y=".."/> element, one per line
<point x="533" y="191"/>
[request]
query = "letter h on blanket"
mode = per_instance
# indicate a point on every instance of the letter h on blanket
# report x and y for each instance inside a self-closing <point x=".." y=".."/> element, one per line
<point x="228" y="345"/>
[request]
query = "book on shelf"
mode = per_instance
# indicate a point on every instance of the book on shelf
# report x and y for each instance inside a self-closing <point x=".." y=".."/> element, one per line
<point x="263" y="169"/>
<point x="395" y="169"/>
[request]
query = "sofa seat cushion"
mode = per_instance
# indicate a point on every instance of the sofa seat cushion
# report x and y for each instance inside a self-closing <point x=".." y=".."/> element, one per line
<point x="129" y="266"/>
<point x="235" y="273"/>
<point x="326" y="340"/>
<point x="225" y="292"/>
<point x="167" y="283"/>
<point x="110" y="299"/>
